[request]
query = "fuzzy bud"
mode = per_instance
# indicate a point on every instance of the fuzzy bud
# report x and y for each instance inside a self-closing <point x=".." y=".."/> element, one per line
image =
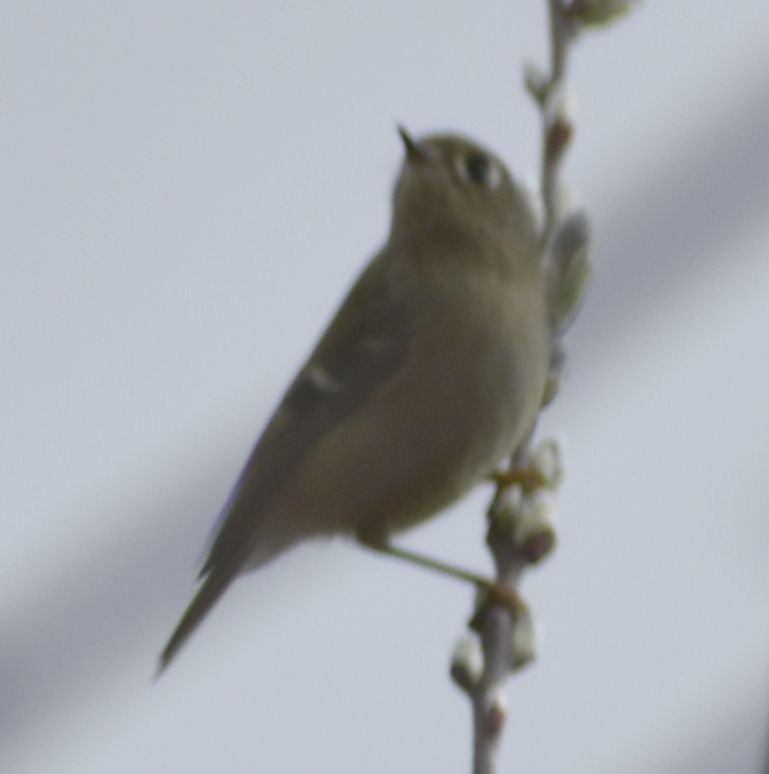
<point x="536" y="82"/>
<point x="547" y="461"/>
<point x="534" y="528"/>
<point x="559" y="109"/>
<point x="507" y="509"/>
<point x="523" y="642"/>
<point x="467" y="663"/>
<point x="497" y="712"/>
<point x="569" y="269"/>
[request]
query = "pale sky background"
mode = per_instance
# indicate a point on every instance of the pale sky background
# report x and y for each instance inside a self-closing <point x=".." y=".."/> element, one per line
<point x="186" y="191"/>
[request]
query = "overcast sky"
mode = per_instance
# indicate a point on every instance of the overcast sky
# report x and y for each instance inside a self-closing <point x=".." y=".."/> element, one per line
<point x="187" y="190"/>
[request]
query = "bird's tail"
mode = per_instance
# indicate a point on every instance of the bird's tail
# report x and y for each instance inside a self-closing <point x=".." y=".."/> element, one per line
<point x="211" y="589"/>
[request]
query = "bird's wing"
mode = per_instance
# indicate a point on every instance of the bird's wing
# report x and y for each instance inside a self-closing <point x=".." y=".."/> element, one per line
<point x="361" y="351"/>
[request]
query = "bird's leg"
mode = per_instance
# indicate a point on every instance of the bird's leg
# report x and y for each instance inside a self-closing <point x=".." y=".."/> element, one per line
<point x="495" y="590"/>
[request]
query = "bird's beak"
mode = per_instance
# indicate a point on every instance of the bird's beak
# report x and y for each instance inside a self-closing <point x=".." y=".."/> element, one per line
<point x="414" y="151"/>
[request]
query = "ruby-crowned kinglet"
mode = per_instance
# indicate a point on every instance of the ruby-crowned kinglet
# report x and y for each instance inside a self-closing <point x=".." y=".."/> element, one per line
<point x="431" y="372"/>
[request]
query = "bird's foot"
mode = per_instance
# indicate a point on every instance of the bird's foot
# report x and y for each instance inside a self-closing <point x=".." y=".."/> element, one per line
<point x="528" y="479"/>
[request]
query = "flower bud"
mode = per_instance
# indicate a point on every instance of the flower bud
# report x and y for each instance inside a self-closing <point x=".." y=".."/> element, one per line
<point x="535" y="529"/>
<point x="523" y="642"/>
<point x="547" y="461"/>
<point x="467" y="662"/>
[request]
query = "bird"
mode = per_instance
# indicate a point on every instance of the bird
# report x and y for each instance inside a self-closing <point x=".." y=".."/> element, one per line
<point x="430" y="374"/>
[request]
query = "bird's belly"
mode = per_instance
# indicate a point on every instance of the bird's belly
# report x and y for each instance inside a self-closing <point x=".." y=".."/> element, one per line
<point x="474" y="416"/>
<point x="415" y="451"/>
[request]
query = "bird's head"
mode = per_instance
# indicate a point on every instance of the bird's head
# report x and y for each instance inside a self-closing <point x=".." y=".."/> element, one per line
<point x="451" y="189"/>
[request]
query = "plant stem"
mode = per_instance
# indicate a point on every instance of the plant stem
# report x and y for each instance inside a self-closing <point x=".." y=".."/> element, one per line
<point x="497" y="623"/>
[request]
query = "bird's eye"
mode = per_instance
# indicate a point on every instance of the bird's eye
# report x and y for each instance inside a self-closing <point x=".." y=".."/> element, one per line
<point x="480" y="170"/>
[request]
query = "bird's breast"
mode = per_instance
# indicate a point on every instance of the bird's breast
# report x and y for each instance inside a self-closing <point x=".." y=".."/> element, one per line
<point x="491" y="356"/>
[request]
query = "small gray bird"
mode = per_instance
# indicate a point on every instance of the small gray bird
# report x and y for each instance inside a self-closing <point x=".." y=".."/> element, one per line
<point x="430" y="374"/>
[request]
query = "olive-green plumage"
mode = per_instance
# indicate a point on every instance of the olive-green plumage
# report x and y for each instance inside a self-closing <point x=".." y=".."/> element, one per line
<point x="431" y="372"/>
